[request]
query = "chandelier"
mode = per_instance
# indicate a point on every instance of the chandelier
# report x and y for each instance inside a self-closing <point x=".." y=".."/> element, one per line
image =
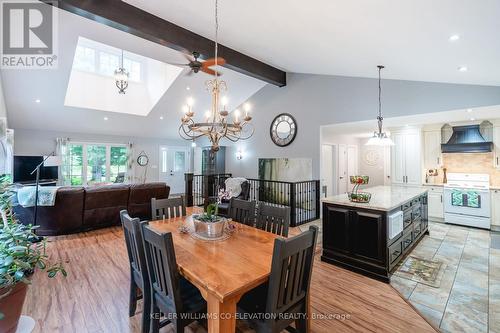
<point x="121" y="78"/>
<point x="216" y="124"/>
<point x="380" y="138"/>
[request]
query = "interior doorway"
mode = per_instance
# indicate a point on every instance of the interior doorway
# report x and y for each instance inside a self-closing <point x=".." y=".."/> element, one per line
<point x="174" y="163"/>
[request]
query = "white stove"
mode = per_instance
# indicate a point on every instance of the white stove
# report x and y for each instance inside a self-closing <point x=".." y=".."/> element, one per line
<point x="467" y="200"/>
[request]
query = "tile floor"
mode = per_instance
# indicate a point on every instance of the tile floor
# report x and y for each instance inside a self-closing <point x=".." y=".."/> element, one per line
<point x="468" y="299"/>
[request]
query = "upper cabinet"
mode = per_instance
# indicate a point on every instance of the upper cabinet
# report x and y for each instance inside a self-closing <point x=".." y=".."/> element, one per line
<point x="432" y="149"/>
<point x="406" y="166"/>
<point x="496" y="149"/>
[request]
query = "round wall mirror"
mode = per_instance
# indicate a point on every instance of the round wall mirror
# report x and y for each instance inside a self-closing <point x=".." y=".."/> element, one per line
<point x="283" y="129"/>
<point x="142" y="159"/>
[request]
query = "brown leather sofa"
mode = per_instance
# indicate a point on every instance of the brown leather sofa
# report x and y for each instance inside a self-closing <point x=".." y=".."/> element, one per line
<point x="81" y="209"/>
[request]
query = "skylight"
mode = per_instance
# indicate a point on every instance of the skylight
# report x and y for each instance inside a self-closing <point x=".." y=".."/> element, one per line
<point x="91" y="84"/>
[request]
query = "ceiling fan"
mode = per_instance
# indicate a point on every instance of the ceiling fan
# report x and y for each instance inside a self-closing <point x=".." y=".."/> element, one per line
<point x="197" y="65"/>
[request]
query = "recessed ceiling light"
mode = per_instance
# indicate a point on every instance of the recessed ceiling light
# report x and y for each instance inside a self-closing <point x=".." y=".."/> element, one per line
<point x="454" y="38"/>
<point x="472" y="119"/>
<point x="37" y="100"/>
<point x="187" y="88"/>
<point x="462" y="69"/>
<point x="161" y="117"/>
<point x="105" y="118"/>
<point x="469" y="110"/>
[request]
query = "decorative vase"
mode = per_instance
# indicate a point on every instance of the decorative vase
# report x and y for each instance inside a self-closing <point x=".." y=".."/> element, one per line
<point x="11" y="306"/>
<point x="209" y="229"/>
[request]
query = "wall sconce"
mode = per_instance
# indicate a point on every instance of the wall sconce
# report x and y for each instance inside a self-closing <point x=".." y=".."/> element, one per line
<point x="239" y="155"/>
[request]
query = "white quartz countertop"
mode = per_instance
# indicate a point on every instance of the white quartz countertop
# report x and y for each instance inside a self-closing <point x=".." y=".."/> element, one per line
<point x="383" y="198"/>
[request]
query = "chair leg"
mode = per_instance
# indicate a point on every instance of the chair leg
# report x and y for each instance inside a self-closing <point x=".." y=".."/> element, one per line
<point x="155" y="318"/>
<point x="132" y="305"/>
<point x="301" y="325"/>
<point x="146" y="313"/>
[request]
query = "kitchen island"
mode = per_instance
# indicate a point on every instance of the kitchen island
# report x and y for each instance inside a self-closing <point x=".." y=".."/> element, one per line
<point x="371" y="238"/>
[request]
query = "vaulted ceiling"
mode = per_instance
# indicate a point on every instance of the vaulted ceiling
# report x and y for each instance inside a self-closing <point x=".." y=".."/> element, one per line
<point x="339" y="37"/>
<point x="24" y="87"/>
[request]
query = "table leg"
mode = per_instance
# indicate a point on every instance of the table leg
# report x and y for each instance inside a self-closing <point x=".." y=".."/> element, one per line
<point x="221" y="315"/>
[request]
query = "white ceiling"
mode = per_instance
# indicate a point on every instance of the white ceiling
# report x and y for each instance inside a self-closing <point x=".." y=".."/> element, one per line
<point x="350" y="38"/>
<point x="23" y="87"/>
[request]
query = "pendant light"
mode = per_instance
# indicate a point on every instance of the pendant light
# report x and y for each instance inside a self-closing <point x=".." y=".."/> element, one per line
<point x="380" y="138"/>
<point x="121" y="78"/>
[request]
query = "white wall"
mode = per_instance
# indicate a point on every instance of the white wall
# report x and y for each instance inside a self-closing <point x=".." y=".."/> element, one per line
<point x="316" y="100"/>
<point x="376" y="171"/>
<point x="33" y="142"/>
<point x="3" y="109"/>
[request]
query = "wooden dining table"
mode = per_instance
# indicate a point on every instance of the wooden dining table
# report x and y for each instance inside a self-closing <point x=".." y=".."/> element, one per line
<point x="222" y="270"/>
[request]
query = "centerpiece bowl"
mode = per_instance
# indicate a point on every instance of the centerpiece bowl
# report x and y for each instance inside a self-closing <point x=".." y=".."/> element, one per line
<point x="212" y="227"/>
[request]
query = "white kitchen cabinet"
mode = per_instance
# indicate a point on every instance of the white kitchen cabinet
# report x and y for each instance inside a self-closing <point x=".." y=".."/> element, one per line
<point x="496" y="149"/>
<point x="406" y="158"/>
<point x="432" y="150"/>
<point x="435" y="202"/>
<point x="495" y="208"/>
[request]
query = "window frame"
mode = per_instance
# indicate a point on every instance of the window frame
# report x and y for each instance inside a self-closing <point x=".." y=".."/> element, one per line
<point x="85" y="164"/>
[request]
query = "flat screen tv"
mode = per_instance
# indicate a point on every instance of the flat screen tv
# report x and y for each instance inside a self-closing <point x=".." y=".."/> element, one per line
<point x="23" y="165"/>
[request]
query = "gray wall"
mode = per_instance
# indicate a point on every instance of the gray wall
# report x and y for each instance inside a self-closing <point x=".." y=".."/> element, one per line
<point x="316" y="100"/>
<point x="33" y="142"/>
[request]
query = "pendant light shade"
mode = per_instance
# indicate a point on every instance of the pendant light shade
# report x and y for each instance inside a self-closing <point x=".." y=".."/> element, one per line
<point x="380" y="138"/>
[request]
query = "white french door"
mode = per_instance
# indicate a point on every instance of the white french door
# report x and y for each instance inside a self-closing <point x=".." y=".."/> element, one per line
<point x="174" y="163"/>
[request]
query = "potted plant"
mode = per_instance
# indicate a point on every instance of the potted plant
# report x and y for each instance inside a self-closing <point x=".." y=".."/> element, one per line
<point x="21" y="253"/>
<point x="209" y="224"/>
<point x="355" y="195"/>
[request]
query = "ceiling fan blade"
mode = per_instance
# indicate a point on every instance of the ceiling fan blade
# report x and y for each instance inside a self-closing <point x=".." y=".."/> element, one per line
<point x="210" y="71"/>
<point x="211" y="62"/>
<point x="175" y="64"/>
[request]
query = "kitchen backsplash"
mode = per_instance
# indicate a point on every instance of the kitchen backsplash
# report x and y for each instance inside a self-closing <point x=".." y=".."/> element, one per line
<point x="471" y="163"/>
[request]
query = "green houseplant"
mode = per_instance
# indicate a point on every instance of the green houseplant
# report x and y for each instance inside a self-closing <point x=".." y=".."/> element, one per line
<point x="20" y="254"/>
<point x="209" y="224"/>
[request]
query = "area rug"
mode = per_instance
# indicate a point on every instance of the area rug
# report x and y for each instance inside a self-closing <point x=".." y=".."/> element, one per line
<point x="428" y="272"/>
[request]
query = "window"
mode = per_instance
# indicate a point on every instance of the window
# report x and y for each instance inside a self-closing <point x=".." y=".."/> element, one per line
<point x="179" y="161"/>
<point x="85" y="59"/>
<point x="88" y="164"/>
<point x="96" y="61"/>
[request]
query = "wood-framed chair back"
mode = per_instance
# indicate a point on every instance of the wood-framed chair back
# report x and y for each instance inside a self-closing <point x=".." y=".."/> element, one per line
<point x="275" y="219"/>
<point x="139" y="277"/>
<point x="162" y="268"/>
<point x="242" y="211"/>
<point x="290" y="278"/>
<point x="168" y="208"/>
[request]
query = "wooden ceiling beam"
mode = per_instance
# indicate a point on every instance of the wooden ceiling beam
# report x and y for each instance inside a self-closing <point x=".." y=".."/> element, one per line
<point x="125" y="17"/>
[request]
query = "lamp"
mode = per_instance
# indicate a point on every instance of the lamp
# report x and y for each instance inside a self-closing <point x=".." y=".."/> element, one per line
<point x="380" y="138"/>
<point x="239" y="155"/>
<point x="51" y="160"/>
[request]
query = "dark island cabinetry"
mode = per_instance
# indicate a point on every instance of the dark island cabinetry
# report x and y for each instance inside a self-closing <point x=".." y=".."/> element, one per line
<point x="357" y="238"/>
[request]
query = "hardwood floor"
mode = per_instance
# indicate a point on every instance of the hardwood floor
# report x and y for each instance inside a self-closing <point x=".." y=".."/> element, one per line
<point x="94" y="297"/>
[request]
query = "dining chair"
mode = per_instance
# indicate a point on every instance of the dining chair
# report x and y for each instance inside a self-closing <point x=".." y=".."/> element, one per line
<point x="242" y="211"/>
<point x="286" y="294"/>
<point x="273" y="219"/>
<point x="168" y="208"/>
<point x="174" y="297"/>
<point x="139" y="279"/>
